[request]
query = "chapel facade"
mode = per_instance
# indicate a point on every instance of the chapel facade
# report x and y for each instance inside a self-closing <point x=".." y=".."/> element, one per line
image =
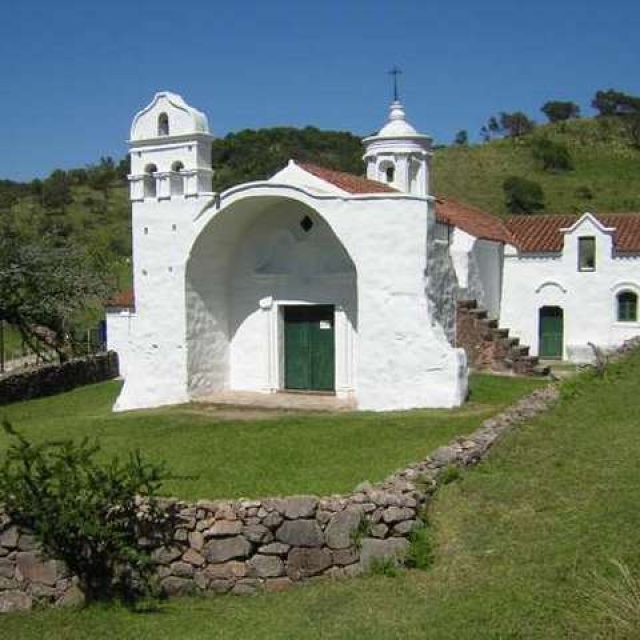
<point x="371" y="289"/>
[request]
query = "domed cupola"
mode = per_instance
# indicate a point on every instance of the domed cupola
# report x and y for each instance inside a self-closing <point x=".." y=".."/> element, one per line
<point x="398" y="155"/>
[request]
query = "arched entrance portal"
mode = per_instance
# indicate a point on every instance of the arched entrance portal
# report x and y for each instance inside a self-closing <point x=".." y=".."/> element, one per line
<point x="551" y="332"/>
<point x="271" y="301"/>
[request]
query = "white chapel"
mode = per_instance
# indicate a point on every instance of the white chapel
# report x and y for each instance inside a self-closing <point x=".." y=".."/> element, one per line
<point x="370" y="289"/>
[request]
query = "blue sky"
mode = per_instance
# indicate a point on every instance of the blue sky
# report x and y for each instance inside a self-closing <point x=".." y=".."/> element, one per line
<point x="74" y="73"/>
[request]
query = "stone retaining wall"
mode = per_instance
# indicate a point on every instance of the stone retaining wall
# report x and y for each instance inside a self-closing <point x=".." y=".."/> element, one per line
<point x="56" y="378"/>
<point x="243" y="546"/>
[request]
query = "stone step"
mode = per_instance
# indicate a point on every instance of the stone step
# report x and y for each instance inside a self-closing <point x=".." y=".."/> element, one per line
<point x="467" y="304"/>
<point x="478" y="314"/>
<point x="500" y="333"/>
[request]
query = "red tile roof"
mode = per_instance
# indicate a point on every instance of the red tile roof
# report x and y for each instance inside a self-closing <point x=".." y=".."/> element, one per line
<point x="346" y="181"/>
<point x="541" y="233"/>
<point x="474" y="221"/>
<point x="124" y="299"/>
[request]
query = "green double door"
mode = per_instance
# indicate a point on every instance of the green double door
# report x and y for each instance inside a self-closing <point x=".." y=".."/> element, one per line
<point x="551" y="332"/>
<point x="309" y="347"/>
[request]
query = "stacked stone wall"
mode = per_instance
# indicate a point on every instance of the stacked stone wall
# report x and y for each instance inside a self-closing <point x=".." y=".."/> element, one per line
<point x="51" y="379"/>
<point x="244" y="546"/>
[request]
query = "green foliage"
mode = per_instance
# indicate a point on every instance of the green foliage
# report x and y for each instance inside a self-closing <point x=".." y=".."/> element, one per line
<point x="615" y="103"/>
<point x="462" y="138"/>
<point x="46" y="283"/>
<point x="522" y="195"/>
<point x="550" y="155"/>
<point x="362" y="531"/>
<point x="450" y="474"/>
<point x="86" y="513"/>
<point x="256" y="155"/>
<point x="560" y="110"/>
<point x="421" y="548"/>
<point x="516" y="124"/>
<point x="387" y="567"/>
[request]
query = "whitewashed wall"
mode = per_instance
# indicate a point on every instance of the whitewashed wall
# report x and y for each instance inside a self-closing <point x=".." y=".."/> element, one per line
<point x="119" y="332"/>
<point x="588" y="298"/>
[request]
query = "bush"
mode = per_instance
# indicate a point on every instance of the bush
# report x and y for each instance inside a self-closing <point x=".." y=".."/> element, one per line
<point x="551" y="156"/>
<point x="522" y="195"/>
<point x="560" y="110"/>
<point x="89" y="514"/>
<point x="420" y="554"/>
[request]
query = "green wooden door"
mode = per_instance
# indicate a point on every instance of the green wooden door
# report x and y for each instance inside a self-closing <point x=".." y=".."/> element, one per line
<point x="309" y="351"/>
<point x="551" y="332"/>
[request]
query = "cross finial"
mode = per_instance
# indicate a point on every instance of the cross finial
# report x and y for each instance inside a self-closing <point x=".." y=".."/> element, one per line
<point x="395" y="71"/>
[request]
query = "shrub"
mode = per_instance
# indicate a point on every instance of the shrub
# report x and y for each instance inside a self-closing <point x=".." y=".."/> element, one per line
<point x="550" y="155"/>
<point x="89" y="514"/>
<point x="387" y="567"/>
<point x="449" y="474"/>
<point x="560" y="110"/>
<point x="522" y="195"/>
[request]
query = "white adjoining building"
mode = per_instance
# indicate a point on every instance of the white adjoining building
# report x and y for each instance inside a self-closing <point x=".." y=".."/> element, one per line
<point x="320" y="281"/>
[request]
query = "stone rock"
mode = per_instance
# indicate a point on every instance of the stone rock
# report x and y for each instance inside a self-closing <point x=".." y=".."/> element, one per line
<point x="27" y="542"/>
<point x="165" y="555"/>
<point x="275" y="549"/>
<point x="7" y="568"/>
<point x="443" y="456"/>
<point x="3" y="552"/>
<point x="265" y="566"/>
<point x="173" y="586"/>
<point x="396" y="514"/>
<point x="340" y="530"/>
<point x="300" y="507"/>
<point x="379" y="530"/>
<point x="226" y="571"/>
<point x="72" y="597"/>
<point x="277" y="584"/>
<point x="225" y="549"/>
<point x="403" y="528"/>
<point x="9" y="538"/>
<point x="42" y="591"/>
<point x="257" y="533"/>
<point x="7" y="584"/>
<point x="345" y="556"/>
<point x="196" y="540"/>
<point x="246" y="587"/>
<point x="300" y="533"/>
<point x="272" y="520"/>
<point x="193" y="558"/>
<point x="201" y="580"/>
<point x="15" y="601"/>
<point x="223" y="528"/>
<point x="220" y="586"/>
<point x="302" y="563"/>
<point x="181" y="535"/>
<point x="182" y="569"/>
<point x="31" y="567"/>
<point x="373" y="550"/>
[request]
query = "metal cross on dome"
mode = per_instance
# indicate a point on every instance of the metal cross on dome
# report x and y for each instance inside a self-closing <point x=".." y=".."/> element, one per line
<point x="395" y="71"/>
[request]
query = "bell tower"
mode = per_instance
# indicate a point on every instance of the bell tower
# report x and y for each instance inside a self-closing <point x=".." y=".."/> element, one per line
<point x="398" y="155"/>
<point x="170" y="151"/>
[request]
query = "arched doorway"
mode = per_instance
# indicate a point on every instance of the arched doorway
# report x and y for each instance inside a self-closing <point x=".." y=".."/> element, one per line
<point x="271" y="301"/>
<point x="551" y="332"/>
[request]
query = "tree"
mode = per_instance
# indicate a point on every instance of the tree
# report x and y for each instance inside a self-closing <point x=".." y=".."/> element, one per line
<point x="462" y="138"/>
<point x="559" y="110"/>
<point x="87" y="512"/>
<point x="522" y="195"/>
<point x="46" y="283"/>
<point x="101" y="176"/>
<point x="516" y="124"/>
<point x="615" y="103"/>
<point x="550" y="155"/>
<point x="56" y="191"/>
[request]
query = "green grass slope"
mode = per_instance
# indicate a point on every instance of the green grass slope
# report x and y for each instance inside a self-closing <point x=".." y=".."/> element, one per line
<point x="606" y="164"/>
<point x="518" y="543"/>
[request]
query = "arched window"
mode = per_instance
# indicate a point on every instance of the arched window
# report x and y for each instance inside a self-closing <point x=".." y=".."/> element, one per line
<point x="150" y="181"/>
<point x="163" y="124"/>
<point x="390" y="173"/>
<point x="627" y="306"/>
<point x="177" y="179"/>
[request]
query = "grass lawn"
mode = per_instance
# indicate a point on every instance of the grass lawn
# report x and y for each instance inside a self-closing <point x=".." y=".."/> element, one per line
<point x="517" y="539"/>
<point x="278" y="454"/>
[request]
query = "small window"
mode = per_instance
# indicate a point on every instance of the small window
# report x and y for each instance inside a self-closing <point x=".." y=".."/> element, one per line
<point x="163" y="124"/>
<point x="150" y="181"/>
<point x="587" y="254"/>
<point x="177" y="179"/>
<point x="627" y="306"/>
<point x="390" y="174"/>
<point x="306" y="223"/>
<point x="442" y="233"/>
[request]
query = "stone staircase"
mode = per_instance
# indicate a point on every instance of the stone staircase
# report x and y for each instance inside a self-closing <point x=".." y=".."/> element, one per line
<point x="490" y="347"/>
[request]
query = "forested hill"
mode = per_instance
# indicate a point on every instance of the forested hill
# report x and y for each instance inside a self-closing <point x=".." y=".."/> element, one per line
<point x="573" y="165"/>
